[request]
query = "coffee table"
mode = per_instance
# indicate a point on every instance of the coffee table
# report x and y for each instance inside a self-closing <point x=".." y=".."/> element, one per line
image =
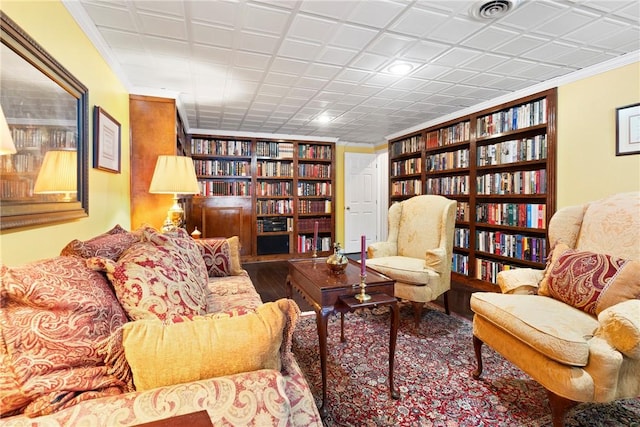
<point x="328" y="293"/>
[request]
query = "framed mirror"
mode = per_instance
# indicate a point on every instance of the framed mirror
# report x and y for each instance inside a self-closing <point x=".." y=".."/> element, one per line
<point x="44" y="171"/>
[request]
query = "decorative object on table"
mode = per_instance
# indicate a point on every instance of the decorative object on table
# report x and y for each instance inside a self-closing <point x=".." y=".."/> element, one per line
<point x="106" y="141"/>
<point x="338" y="261"/>
<point x="315" y="239"/>
<point x="628" y="130"/>
<point x="362" y="296"/>
<point x="58" y="174"/>
<point x="6" y="140"/>
<point x="174" y="175"/>
<point x="196" y="234"/>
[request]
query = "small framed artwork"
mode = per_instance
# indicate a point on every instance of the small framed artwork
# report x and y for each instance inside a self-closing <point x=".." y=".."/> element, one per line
<point x="106" y="138"/>
<point x="628" y="130"/>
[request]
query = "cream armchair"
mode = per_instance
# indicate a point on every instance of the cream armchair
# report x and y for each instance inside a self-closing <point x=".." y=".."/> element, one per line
<point x="418" y="250"/>
<point x="581" y="341"/>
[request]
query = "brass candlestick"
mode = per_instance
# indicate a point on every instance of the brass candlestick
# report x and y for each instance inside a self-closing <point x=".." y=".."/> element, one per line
<point x="362" y="296"/>
<point x="315" y="253"/>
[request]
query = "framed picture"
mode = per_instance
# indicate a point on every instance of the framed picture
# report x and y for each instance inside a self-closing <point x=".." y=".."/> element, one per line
<point x="628" y="130"/>
<point x="106" y="136"/>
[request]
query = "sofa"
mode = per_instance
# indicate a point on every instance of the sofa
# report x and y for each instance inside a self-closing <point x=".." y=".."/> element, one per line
<point x="128" y="328"/>
<point x="574" y="327"/>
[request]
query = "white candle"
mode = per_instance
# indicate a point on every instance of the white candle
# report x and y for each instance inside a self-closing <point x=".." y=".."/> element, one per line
<point x="315" y="235"/>
<point x="363" y="255"/>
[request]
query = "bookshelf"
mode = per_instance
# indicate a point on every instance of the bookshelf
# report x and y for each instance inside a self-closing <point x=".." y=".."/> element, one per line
<point x="499" y="165"/>
<point x="275" y="195"/>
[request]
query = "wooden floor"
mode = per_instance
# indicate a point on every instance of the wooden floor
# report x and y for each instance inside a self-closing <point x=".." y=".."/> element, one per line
<point x="269" y="278"/>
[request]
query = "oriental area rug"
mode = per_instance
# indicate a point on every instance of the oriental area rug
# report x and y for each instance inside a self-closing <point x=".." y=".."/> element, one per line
<point x="433" y="366"/>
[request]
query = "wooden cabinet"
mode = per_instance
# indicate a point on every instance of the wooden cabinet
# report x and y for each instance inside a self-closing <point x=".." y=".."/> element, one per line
<point x="499" y="164"/>
<point x="273" y="194"/>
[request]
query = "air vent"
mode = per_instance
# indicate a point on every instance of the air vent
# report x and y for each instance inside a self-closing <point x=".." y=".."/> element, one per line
<point x="487" y="10"/>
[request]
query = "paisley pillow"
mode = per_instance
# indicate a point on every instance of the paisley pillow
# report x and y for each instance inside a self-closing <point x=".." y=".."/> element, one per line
<point x="108" y="245"/>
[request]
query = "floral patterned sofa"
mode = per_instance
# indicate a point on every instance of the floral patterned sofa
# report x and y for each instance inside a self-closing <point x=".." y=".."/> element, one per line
<point x="133" y="327"/>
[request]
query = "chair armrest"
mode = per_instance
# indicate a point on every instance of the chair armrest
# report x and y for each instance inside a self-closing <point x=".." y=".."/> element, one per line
<point x="620" y="327"/>
<point x="382" y="249"/>
<point x="519" y="280"/>
<point x="436" y="259"/>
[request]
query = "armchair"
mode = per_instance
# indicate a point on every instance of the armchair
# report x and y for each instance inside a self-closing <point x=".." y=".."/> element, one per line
<point x="574" y="327"/>
<point x="418" y="250"/>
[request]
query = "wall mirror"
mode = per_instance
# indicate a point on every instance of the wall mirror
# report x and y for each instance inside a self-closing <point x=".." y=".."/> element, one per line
<point x="46" y="109"/>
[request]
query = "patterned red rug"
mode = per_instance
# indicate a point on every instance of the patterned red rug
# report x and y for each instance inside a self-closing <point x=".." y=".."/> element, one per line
<point x="433" y="373"/>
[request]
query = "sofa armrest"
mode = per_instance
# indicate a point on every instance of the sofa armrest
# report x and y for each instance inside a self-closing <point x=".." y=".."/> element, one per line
<point x="620" y="327"/>
<point x="382" y="249"/>
<point x="519" y="280"/>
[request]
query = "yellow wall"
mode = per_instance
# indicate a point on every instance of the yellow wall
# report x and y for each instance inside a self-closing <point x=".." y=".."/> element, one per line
<point x="50" y="25"/>
<point x="587" y="165"/>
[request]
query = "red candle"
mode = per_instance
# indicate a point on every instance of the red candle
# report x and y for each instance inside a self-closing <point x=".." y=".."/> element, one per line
<point x="363" y="255"/>
<point x="315" y="235"/>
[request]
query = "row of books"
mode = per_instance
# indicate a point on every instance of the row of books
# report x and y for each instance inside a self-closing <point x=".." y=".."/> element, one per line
<point x="488" y="270"/>
<point x="287" y="223"/>
<point x="448" y="185"/>
<point x="530" y="215"/>
<point x="274" y="207"/>
<point x="407" y="145"/>
<point x="25" y="138"/>
<point x="404" y="167"/>
<point x="314" y="189"/>
<point x="518" y="150"/>
<point x="519" y="117"/>
<point x="462" y="211"/>
<point x="450" y="160"/>
<point x="16" y="188"/>
<point x="512" y="245"/>
<point x="449" y="135"/>
<point x="278" y="188"/>
<point x="20" y="163"/>
<point x="461" y="237"/>
<point x="222" y="167"/>
<point x="460" y="264"/>
<point x="274" y="169"/>
<point x="409" y="187"/>
<point x="218" y="147"/>
<point x="314" y="206"/>
<point x="306" y="225"/>
<point x="282" y="150"/>
<point x="224" y="188"/>
<point x="309" y="170"/>
<point x="321" y="152"/>
<point x="520" y="182"/>
<point x="306" y="244"/>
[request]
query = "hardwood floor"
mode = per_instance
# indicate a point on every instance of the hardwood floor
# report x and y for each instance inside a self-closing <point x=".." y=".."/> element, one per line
<point x="269" y="278"/>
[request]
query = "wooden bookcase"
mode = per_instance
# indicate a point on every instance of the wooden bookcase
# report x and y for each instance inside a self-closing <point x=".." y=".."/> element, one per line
<point x="499" y="165"/>
<point x="271" y="193"/>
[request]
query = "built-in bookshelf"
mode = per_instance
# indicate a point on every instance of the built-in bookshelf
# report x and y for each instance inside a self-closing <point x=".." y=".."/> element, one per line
<point x="499" y="165"/>
<point x="284" y="189"/>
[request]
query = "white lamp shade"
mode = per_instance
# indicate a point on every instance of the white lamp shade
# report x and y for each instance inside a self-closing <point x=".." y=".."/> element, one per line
<point x="58" y="173"/>
<point x="6" y="140"/>
<point x="174" y="175"/>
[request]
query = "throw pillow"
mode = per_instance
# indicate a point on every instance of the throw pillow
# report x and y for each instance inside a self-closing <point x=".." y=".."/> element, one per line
<point x="589" y="281"/>
<point x="217" y="256"/>
<point x="108" y="245"/>
<point x="206" y="347"/>
<point x="55" y="316"/>
<point x="156" y="282"/>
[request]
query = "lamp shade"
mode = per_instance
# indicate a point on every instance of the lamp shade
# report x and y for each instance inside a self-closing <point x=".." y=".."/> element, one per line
<point x="6" y="140"/>
<point x="174" y="175"/>
<point x="58" y="173"/>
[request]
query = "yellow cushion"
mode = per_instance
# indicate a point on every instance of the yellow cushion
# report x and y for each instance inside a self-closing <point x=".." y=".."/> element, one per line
<point x="208" y="346"/>
<point x="234" y="245"/>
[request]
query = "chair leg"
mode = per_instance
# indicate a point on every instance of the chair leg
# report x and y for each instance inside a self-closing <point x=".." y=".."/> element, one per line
<point x="559" y="407"/>
<point x="417" y="312"/>
<point x="477" y="348"/>
<point x="446" y="302"/>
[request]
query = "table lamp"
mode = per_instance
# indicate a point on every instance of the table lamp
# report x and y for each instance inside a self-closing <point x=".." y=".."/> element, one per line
<point x="174" y="175"/>
<point x="6" y="140"/>
<point x="58" y="174"/>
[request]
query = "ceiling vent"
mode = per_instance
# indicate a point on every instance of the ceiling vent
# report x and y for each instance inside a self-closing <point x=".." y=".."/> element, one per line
<point x="492" y="9"/>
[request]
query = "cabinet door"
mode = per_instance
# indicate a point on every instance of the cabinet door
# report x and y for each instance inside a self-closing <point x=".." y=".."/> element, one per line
<point x="225" y="217"/>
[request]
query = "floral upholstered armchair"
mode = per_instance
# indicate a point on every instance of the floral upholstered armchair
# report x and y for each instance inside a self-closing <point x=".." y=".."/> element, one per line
<point x="574" y="327"/>
<point x="418" y="250"/>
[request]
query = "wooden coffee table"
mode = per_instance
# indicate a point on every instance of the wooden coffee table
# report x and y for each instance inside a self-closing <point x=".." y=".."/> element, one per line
<point x="328" y="293"/>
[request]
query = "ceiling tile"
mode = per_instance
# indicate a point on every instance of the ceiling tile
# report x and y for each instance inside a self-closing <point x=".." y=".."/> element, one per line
<point x="390" y="44"/>
<point x="219" y="12"/>
<point x="163" y="26"/>
<point x="425" y="51"/>
<point x="375" y="13"/>
<point x="297" y="49"/>
<point x="416" y="22"/>
<point x="353" y="37"/>
<point x="311" y="28"/>
<point x="258" y="43"/>
<point x="455" y="30"/>
<point x="368" y="61"/>
<point x="212" y="35"/>
<point x="264" y="19"/>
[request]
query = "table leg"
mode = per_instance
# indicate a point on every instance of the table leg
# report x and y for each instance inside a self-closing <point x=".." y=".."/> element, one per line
<point x="342" y="327"/>
<point x="322" y="316"/>
<point x="393" y="334"/>
<point x="288" y="287"/>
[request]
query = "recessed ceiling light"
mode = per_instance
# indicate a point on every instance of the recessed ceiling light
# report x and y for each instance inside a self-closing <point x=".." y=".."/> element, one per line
<point x="400" y="68"/>
<point x="323" y="118"/>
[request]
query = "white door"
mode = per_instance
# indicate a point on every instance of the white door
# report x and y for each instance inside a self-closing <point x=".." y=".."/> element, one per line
<point x="360" y="207"/>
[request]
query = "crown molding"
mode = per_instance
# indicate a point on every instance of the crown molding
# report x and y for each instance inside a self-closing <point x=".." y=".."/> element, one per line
<point x="240" y="134"/>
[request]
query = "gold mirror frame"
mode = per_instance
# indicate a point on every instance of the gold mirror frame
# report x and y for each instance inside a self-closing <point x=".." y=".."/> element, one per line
<point x="37" y="210"/>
